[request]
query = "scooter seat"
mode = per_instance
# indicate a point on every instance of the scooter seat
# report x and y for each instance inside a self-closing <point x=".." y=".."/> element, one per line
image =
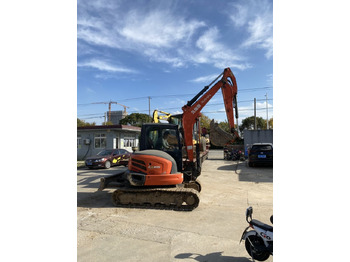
<point x="257" y="223"/>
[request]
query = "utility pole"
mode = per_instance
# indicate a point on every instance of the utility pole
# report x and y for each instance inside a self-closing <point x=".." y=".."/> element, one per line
<point x="109" y="111"/>
<point x="255" y="127"/>
<point x="267" y="114"/>
<point x="110" y="107"/>
<point x="149" y="107"/>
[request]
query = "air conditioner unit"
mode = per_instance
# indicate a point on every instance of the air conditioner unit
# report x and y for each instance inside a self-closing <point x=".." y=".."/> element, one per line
<point x="87" y="141"/>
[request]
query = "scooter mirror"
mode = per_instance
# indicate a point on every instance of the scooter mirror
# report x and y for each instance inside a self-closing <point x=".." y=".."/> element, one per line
<point x="271" y="219"/>
<point x="249" y="212"/>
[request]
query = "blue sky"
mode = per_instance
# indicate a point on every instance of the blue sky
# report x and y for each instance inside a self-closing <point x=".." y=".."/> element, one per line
<point x="169" y="50"/>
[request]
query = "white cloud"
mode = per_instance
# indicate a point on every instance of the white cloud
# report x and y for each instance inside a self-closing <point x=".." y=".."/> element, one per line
<point x="212" y="51"/>
<point x="207" y="41"/>
<point x="95" y="29"/>
<point x="89" y="90"/>
<point x="243" y="111"/>
<point x="157" y="34"/>
<point x="256" y="18"/>
<point x="136" y="28"/>
<point x="177" y="101"/>
<point x="162" y="35"/>
<point x="158" y="28"/>
<point x="157" y="55"/>
<point x="239" y="18"/>
<point x="95" y="37"/>
<point x="105" y="66"/>
<point x="269" y="78"/>
<point x="204" y="79"/>
<point x="247" y="111"/>
<point x="260" y="31"/>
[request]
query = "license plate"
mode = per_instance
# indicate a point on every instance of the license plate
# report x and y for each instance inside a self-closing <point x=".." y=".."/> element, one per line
<point x="88" y="163"/>
<point x="261" y="156"/>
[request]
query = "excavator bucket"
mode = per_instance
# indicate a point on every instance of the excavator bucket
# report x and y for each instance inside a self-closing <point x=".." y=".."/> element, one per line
<point x="218" y="136"/>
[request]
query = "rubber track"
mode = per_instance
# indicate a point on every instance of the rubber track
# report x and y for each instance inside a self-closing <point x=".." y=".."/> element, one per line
<point x="158" y="198"/>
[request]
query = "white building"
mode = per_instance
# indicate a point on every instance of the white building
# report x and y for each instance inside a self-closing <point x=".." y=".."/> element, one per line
<point x="93" y="139"/>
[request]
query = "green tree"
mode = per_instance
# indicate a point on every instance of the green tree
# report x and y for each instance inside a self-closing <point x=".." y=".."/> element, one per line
<point x="136" y="119"/>
<point x="248" y="123"/>
<point x="271" y="123"/>
<point x="205" y="122"/>
<point x="225" y="126"/>
<point x="108" y="123"/>
<point x="81" y="123"/>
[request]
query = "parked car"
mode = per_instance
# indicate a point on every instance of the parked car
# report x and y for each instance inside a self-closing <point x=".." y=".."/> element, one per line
<point x="260" y="153"/>
<point x="107" y="158"/>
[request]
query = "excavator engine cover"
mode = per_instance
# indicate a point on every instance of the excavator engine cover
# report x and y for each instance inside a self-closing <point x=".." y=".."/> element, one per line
<point x="153" y="168"/>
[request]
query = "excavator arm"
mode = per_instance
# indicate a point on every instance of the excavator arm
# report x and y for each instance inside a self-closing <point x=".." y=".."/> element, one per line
<point x="156" y="116"/>
<point x="191" y="111"/>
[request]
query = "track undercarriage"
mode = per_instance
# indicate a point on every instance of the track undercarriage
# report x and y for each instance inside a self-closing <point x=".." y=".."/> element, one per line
<point x="174" y="198"/>
<point x="182" y="197"/>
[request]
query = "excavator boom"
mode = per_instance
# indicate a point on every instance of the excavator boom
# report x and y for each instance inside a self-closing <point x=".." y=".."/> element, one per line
<point x="191" y="111"/>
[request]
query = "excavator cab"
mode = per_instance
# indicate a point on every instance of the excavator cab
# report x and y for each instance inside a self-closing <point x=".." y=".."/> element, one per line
<point x="164" y="137"/>
<point x="176" y="120"/>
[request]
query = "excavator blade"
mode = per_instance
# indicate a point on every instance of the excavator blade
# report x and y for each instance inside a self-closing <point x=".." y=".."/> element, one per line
<point x="116" y="180"/>
<point x="218" y="136"/>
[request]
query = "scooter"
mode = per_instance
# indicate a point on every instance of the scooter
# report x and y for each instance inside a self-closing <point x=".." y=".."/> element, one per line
<point x="233" y="154"/>
<point x="259" y="240"/>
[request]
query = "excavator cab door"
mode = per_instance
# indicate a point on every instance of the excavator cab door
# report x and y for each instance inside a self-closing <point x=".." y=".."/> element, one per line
<point x="164" y="137"/>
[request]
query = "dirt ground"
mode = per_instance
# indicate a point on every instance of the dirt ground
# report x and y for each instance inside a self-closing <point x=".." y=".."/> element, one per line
<point x="211" y="232"/>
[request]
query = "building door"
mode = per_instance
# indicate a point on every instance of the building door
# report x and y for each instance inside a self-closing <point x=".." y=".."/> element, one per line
<point x="115" y="143"/>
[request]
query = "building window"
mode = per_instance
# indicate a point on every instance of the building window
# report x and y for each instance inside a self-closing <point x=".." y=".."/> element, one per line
<point x="100" y="140"/>
<point x="78" y="142"/>
<point x="129" y="142"/>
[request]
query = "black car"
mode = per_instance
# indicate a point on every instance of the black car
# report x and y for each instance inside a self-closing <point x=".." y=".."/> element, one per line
<point x="260" y="153"/>
<point x="107" y="158"/>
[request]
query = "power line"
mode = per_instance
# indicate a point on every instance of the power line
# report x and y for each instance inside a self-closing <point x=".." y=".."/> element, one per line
<point x="206" y="112"/>
<point x="178" y="95"/>
<point x="242" y="110"/>
<point x="178" y="108"/>
<point x="184" y="95"/>
<point x="253" y="89"/>
<point x="92" y="114"/>
<point x="91" y="117"/>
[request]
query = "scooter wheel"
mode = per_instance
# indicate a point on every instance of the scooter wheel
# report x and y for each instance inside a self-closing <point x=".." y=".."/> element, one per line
<point x="255" y="253"/>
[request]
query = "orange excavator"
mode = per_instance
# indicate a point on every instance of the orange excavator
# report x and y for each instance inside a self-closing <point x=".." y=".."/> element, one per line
<point x="163" y="174"/>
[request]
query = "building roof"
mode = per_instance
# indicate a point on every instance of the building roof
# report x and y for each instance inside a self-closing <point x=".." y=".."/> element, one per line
<point x="114" y="127"/>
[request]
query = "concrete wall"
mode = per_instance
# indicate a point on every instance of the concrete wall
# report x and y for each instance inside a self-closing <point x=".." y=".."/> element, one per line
<point x="257" y="136"/>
